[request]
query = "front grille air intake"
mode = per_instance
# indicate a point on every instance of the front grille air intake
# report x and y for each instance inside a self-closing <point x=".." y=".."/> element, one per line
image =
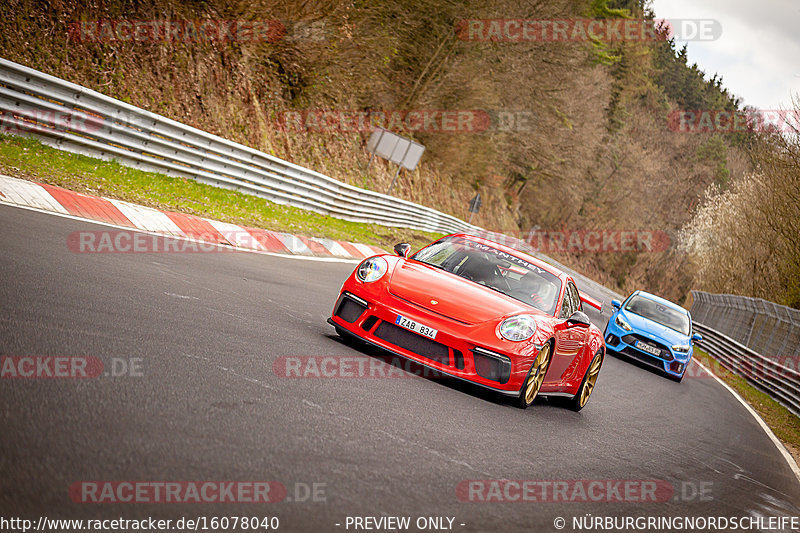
<point x="412" y="342"/>
<point x="348" y="309"/>
<point x="492" y="365"/>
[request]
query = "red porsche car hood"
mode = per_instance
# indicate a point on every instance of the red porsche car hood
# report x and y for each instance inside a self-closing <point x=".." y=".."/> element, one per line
<point x="450" y="295"/>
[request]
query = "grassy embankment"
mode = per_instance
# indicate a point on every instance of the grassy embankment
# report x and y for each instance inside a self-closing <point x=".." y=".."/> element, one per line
<point x="30" y="159"/>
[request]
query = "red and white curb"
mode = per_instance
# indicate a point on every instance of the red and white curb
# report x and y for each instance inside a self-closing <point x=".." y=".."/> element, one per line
<point x="45" y="197"/>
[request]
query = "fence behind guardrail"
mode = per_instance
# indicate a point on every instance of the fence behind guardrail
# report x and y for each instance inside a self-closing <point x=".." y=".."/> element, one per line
<point x="757" y="339"/>
<point x="767" y="328"/>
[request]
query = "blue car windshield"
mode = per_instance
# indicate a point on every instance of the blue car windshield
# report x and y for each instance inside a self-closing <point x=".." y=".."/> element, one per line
<point x="493" y="268"/>
<point x="659" y="313"/>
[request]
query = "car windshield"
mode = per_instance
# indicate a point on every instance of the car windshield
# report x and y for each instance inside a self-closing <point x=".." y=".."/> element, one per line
<point x="493" y="268"/>
<point x="666" y="316"/>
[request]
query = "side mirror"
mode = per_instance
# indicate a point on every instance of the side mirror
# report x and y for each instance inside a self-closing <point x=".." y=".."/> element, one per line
<point x="615" y="304"/>
<point x="697" y="337"/>
<point x="402" y="249"/>
<point x="579" y="318"/>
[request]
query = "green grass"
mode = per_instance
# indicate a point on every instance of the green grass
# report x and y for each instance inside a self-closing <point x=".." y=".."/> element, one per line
<point x="783" y="423"/>
<point x="29" y="159"/>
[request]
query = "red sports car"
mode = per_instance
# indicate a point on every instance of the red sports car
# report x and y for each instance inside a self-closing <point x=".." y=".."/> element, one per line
<point x="479" y="311"/>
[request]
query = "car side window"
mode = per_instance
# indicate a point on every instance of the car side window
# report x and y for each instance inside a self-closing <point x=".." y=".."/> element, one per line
<point x="572" y="301"/>
<point x="576" y="298"/>
<point x="566" y="305"/>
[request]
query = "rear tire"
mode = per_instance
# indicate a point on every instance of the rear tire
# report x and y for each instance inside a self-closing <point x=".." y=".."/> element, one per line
<point x="535" y="378"/>
<point x="581" y="398"/>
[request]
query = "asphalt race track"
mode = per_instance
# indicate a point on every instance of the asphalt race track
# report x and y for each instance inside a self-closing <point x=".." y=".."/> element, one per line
<point x="203" y="331"/>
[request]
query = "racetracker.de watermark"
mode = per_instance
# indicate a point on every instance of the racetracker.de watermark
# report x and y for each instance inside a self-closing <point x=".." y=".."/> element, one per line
<point x="584" y="241"/>
<point x="725" y="121"/>
<point x="187" y="31"/>
<point x="763" y="369"/>
<point x="582" y="491"/>
<point x="158" y="492"/>
<point x="586" y="30"/>
<point x="349" y="367"/>
<point x="423" y="120"/>
<point x="408" y="121"/>
<point x="68" y="367"/>
<point x="24" y="120"/>
<point x="133" y="242"/>
<point x="597" y="241"/>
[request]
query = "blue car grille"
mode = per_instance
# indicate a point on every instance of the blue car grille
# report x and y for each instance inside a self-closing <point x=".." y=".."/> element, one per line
<point x="643" y="357"/>
<point x="631" y="339"/>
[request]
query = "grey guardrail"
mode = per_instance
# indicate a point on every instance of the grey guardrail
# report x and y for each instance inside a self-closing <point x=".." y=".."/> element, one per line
<point x="74" y="118"/>
<point x="779" y="381"/>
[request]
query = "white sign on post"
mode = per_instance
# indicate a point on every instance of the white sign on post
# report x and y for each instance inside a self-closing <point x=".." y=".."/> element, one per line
<point x="413" y="155"/>
<point x="403" y="152"/>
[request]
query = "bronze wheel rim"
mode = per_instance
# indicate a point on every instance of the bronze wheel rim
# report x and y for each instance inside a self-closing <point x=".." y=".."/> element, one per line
<point x="591" y="379"/>
<point x="536" y="375"/>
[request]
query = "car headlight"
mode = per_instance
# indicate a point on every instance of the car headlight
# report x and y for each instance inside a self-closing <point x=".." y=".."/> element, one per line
<point x="621" y="323"/>
<point x="372" y="269"/>
<point x="681" y="348"/>
<point x="518" y="328"/>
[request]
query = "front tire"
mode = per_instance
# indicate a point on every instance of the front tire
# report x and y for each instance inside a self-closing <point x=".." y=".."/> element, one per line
<point x="581" y="398"/>
<point x="535" y="378"/>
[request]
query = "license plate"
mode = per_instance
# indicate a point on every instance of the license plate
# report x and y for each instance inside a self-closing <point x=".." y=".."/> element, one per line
<point x="416" y="327"/>
<point x="647" y="348"/>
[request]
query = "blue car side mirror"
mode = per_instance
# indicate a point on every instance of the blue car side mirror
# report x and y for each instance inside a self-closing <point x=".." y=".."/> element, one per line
<point x="615" y="304"/>
<point x="697" y="337"/>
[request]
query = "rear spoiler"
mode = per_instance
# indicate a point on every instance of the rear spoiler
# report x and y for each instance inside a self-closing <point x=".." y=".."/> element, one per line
<point x="591" y="301"/>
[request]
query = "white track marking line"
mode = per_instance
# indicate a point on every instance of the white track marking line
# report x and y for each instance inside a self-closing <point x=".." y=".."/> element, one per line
<point x="138" y="230"/>
<point x="317" y="258"/>
<point x="778" y="444"/>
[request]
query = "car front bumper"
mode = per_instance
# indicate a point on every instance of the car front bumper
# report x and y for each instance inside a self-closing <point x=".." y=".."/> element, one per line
<point x="673" y="363"/>
<point x="463" y="351"/>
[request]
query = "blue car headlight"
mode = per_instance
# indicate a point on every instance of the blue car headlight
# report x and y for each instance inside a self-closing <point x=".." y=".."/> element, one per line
<point x="681" y="348"/>
<point x="518" y="328"/>
<point x="621" y="323"/>
<point x="372" y="269"/>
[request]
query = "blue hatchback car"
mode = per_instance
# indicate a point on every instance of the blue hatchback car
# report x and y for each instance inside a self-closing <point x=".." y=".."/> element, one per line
<point x="652" y="330"/>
